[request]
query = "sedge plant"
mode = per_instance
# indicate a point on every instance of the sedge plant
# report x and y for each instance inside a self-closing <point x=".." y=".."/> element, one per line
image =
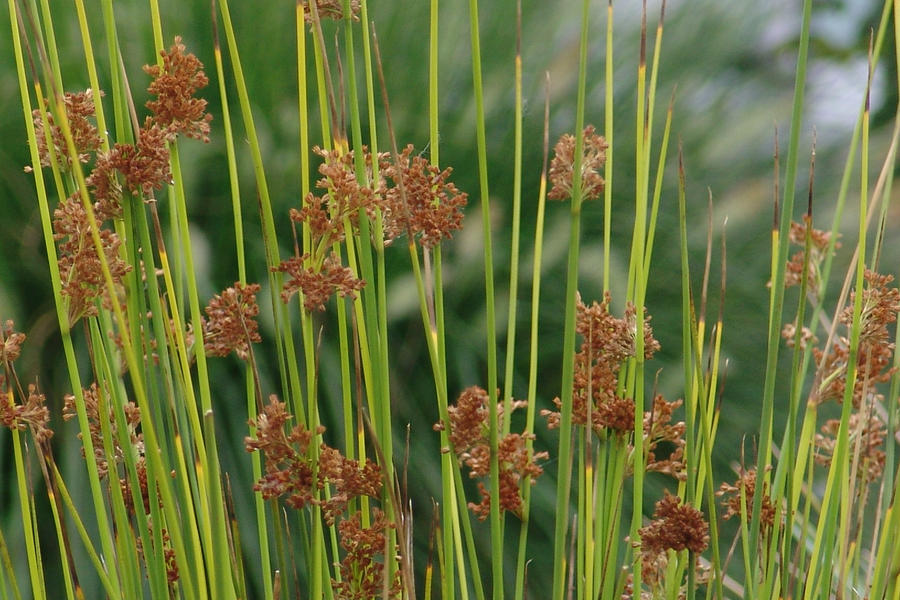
<point x="327" y="510"/>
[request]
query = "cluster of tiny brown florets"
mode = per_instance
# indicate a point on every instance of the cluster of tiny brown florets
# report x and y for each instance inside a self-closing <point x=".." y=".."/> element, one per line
<point x="819" y="243"/>
<point x="743" y="491"/>
<point x="289" y="465"/>
<point x="413" y="197"/>
<point x="562" y="166"/>
<point x="362" y="574"/>
<point x="874" y="365"/>
<point x="470" y="440"/>
<point x="675" y="526"/>
<point x="422" y="201"/>
<point x="317" y="283"/>
<point x="31" y="412"/>
<point x="302" y="477"/>
<point x="139" y="168"/>
<point x="867" y="434"/>
<point x="175" y="82"/>
<point x="80" y="267"/>
<point x="79" y="107"/>
<point x="607" y="342"/>
<point x="231" y="321"/>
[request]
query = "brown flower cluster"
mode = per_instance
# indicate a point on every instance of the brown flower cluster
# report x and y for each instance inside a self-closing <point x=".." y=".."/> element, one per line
<point x="675" y="526"/>
<point x="80" y="267"/>
<point x="80" y="113"/>
<point x="97" y="408"/>
<point x="144" y="165"/>
<point x="317" y="284"/>
<point x="745" y="486"/>
<point x="563" y="165"/>
<point x="819" y="241"/>
<point x="470" y="440"/>
<point x="867" y="434"/>
<point x="362" y="575"/>
<point x="606" y="343"/>
<point x="433" y="205"/>
<point x="232" y="325"/>
<point x="660" y="430"/>
<point x="290" y="470"/>
<point x="175" y="82"/>
<point x="31" y="411"/>
<point x="10" y="342"/>
<point x="92" y="402"/>
<point x="330" y="9"/>
<point x="880" y="304"/>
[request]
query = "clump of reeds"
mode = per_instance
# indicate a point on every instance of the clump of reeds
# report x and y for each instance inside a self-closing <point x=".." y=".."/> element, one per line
<point x="329" y="513"/>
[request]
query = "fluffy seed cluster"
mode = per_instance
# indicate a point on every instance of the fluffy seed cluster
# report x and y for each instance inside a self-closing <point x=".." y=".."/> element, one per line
<point x="289" y="468"/>
<point x="867" y="435"/>
<point x="175" y="82"/>
<point x="317" y="283"/>
<point x="818" y="251"/>
<point x="606" y="343"/>
<point x="80" y="111"/>
<point x="362" y="573"/>
<point x="675" y="526"/>
<point x="422" y="201"/>
<point x="562" y="166"/>
<point x="745" y="486"/>
<point x="413" y="197"/>
<point x="880" y="304"/>
<point x="139" y="168"/>
<point x="470" y="440"/>
<point x="80" y="267"/>
<point x="231" y="325"/>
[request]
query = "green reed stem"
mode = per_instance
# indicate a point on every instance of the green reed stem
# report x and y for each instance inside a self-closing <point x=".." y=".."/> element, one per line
<point x="533" y="346"/>
<point x="490" y="325"/>
<point x="775" y="312"/>
<point x="564" y="477"/>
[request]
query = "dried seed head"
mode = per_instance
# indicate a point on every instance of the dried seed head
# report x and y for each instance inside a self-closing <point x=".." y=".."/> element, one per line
<point x="79" y="114"/>
<point x="563" y="165"/>
<point x="232" y="325"/>
<point x="174" y="84"/>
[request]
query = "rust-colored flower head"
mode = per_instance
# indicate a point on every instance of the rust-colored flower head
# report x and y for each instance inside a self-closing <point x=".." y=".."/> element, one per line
<point x="79" y="264"/>
<point x="79" y="114"/>
<point x="660" y="430"/>
<point x="469" y="435"/>
<point x="144" y="165"/>
<point x="607" y="342"/>
<point x="675" y="526"/>
<point x="867" y="433"/>
<point x="32" y="412"/>
<point x="819" y="241"/>
<point x="232" y="325"/>
<point x="731" y="495"/>
<point x="174" y="84"/>
<point x="433" y="207"/>
<point x="874" y="365"/>
<point x="10" y="342"/>
<point x="563" y="165"/>
<point x="105" y="464"/>
<point x="317" y="283"/>
<point x="289" y="466"/>
<point x="362" y="574"/>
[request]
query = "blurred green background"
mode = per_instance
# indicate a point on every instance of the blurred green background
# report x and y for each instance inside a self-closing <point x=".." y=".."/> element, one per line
<point x="733" y="64"/>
